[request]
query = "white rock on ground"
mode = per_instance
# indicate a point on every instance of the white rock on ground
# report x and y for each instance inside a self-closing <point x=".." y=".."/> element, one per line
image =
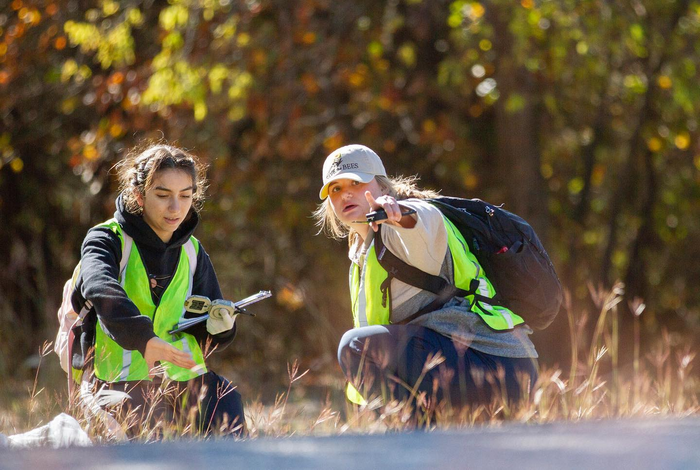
<point x="62" y="431"/>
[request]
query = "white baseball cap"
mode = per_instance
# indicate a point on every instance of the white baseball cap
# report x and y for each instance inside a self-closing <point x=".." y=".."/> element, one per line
<point x="355" y="162"/>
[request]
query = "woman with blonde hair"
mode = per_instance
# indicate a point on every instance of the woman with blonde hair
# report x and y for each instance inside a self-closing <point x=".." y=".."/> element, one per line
<point x="405" y="338"/>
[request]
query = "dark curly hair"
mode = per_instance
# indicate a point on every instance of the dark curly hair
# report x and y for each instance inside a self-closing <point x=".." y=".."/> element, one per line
<point x="138" y="168"/>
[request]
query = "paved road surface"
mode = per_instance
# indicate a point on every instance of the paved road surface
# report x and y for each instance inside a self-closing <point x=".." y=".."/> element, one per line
<point x="657" y="443"/>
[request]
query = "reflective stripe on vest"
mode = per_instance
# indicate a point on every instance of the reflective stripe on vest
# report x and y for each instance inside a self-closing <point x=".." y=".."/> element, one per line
<point x="354" y="396"/>
<point x="466" y="268"/>
<point x="366" y="295"/>
<point x="114" y="363"/>
<point x="368" y="306"/>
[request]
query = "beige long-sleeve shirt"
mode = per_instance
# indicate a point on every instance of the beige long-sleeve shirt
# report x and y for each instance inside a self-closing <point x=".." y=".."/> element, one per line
<point x="425" y="247"/>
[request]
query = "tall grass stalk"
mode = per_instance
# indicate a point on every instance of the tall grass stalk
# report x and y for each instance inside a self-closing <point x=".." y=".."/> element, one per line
<point x="636" y="307"/>
<point x="660" y="382"/>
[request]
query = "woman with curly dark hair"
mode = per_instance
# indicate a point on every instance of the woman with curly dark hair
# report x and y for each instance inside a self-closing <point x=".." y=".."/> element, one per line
<point x="137" y="271"/>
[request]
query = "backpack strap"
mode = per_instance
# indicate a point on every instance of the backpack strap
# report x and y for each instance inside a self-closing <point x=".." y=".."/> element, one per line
<point x="404" y="272"/>
<point x="449" y="293"/>
<point x="413" y="276"/>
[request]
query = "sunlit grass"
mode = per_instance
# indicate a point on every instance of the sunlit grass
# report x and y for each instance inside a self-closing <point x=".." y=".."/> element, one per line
<point x="595" y="386"/>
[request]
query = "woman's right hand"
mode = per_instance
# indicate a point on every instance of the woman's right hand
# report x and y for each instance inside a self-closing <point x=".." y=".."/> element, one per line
<point x="393" y="211"/>
<point x="159" y="350"/>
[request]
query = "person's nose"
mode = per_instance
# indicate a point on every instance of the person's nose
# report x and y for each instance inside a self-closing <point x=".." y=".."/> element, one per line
<point x="174" y="204"/>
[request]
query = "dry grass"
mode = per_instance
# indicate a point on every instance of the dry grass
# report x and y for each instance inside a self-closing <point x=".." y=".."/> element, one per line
<point x="658" y="383"/>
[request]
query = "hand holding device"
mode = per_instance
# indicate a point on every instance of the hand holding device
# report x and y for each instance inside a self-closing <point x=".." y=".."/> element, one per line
<point x="222" y="316"/>
<point x="201" y="305"/>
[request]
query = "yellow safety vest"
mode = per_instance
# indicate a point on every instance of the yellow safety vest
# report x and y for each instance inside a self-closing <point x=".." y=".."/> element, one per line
<point x="370" y="307"/>
<point x="115" y="364"/>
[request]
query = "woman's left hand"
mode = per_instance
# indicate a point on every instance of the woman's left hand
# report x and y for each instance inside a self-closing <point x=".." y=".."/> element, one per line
<point x="159" y="350"/>
<point x="389" y="204"/>
<point x="222" y="316"/>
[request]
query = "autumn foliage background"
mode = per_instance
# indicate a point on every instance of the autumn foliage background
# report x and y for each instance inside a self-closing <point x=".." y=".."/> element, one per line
<point x="581" y="116"/>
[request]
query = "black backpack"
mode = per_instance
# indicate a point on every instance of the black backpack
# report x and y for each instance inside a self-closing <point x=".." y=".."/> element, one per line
<point x="508" y="250"/>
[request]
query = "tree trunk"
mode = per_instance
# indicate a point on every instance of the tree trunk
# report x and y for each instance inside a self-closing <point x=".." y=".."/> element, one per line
<point x="517" y="131"/>
<point x="518" y="157"/>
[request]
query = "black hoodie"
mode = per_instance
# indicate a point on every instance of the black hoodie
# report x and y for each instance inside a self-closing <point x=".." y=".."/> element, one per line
<point x="99" y="270"/>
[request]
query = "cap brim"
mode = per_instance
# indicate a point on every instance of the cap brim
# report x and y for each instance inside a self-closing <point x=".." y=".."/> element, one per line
<point x="355" y="176"/>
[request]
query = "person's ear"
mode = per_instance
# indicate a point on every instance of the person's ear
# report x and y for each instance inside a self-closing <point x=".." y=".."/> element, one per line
<point x="139" y="197"/>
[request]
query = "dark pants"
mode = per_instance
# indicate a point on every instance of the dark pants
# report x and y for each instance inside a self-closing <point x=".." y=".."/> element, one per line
<point x="210" y="399"/>
<point x="394" y="359"/>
